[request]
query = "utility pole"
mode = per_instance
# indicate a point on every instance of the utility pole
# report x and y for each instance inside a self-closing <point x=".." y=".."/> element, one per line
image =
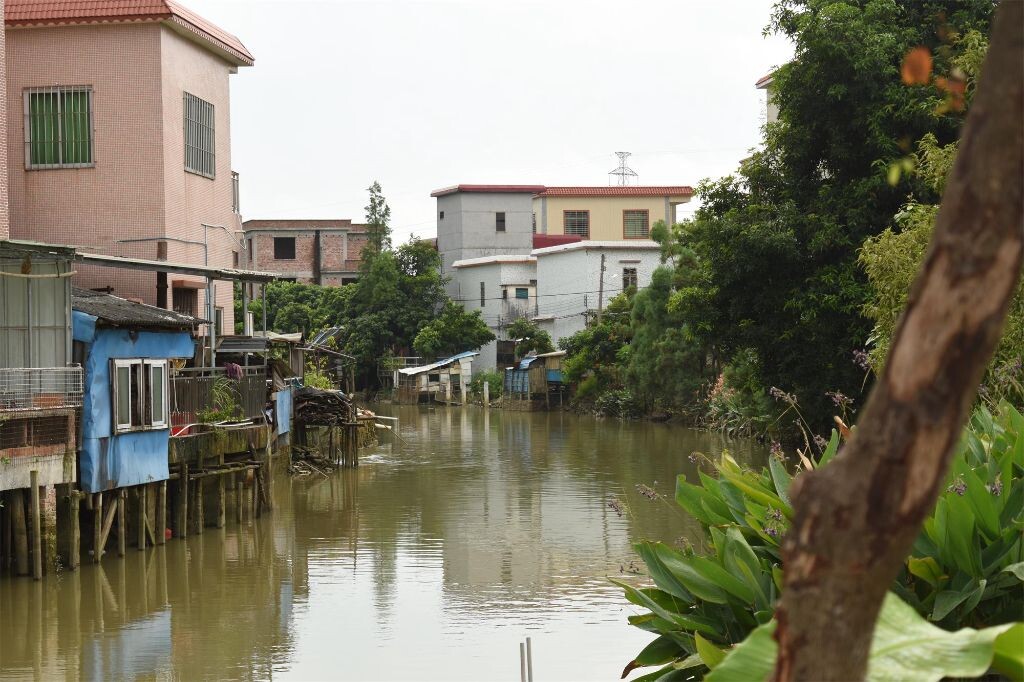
<point x="600" y="292"/>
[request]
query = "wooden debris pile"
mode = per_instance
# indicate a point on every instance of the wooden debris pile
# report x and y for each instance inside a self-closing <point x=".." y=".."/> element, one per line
<point x="316" y="407"/>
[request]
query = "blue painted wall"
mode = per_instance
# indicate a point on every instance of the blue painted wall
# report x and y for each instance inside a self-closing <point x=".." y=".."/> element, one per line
<point x="108" y="461"/>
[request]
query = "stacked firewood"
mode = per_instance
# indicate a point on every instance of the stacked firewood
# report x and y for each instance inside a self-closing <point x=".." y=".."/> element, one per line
<point x="323" y="408"/>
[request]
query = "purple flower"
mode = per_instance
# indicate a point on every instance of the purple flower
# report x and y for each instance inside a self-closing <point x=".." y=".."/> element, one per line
<point x="840" y="400"/>
<point x="820" y="442"/>
<point x="771" y="531"/>
<point x="776" y="450"/>
<point x="862" y="359"/>
<point x="779" y="394"/>
<point x="996" y="488"/>
<point x="774" y="514"/>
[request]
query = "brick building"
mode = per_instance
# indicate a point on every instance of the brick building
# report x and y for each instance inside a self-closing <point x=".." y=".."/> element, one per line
<point x="326" y="252"/>
<point x="122" y="145"/>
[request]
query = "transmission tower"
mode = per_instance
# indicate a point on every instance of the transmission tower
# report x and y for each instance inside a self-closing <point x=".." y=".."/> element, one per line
<point x="623" y="172"/>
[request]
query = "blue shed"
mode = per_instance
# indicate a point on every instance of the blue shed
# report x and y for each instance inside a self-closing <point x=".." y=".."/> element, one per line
<point x="125" y="348"/>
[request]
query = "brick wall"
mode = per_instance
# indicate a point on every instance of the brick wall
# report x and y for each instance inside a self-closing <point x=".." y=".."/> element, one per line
<point x="340" y="249"/>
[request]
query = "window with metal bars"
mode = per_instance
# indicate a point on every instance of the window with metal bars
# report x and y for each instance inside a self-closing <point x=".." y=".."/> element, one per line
<point x="499" y="221"/>
<point x="635" y="224"/>
<point x="200" y="156"/>
<point x="483" y="299"/>
<point x="58" y="127"/>
<point x="576" y="222"/>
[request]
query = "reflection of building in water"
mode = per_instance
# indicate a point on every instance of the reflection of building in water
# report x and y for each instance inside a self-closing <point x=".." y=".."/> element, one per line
<point x="208" y="607"/>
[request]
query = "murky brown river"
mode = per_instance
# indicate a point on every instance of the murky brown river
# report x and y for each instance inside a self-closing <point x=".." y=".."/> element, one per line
<point x="431" y="561"/>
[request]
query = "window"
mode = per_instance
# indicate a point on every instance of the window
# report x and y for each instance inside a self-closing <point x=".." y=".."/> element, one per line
<point x="199" y="137"/>
<point x="482" y="299"/>
<point x="234" y="259"/>
<point x="499" y="221"/>
<point x="534" y="223"/>
<point x="504" y="294"/>
<point x="185" y="301"/>
<point x="440" y="216"/>
<point x="58" y="128"/>
<point x="576" y="222"/>
<point x="218" y="324"/>
<point x="635" y="224"/>
<point x="629" y="278"/>
<point x="139" y="394"/>
<point x="284" y="248"/>
<point x="522" y="293"/>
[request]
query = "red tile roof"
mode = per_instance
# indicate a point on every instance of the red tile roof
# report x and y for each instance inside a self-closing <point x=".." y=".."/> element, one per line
<point x="294" y="224"/>
<point x="764" y="81"/>
<point x="51" y="12"/>
<point x="637" y="191"/>
<point x="542" y="241"/>
<point x="507" y="189"/>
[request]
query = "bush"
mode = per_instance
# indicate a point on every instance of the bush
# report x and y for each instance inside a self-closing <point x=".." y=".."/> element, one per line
<point x="621" y="403"/>
<point x="494" y="379"/>
<point x="965" y="569"/>
<point x="737" y="403"/>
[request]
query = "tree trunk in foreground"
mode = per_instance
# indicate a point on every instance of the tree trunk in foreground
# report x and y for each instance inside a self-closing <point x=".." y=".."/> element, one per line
<point x="855" y="520"/>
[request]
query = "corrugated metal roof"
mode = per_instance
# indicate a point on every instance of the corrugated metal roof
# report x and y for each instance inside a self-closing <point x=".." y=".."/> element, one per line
<point x="409" y="371"/>
<point x="118" y="312"/>
<point x="242" y="344"/>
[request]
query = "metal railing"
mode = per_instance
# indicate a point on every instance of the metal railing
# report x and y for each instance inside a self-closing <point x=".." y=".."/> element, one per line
<point x="195" y="391"/>
<point x="33" y="388"/>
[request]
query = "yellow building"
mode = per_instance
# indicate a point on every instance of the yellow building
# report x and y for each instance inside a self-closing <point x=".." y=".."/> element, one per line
<point x="606" y="213"/>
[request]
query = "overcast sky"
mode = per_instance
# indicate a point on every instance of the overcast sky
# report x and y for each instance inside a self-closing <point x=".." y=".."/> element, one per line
<point x="424" y="94"/>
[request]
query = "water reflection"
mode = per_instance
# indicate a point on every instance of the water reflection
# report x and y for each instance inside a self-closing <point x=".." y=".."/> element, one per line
<point x="430" y="561"/>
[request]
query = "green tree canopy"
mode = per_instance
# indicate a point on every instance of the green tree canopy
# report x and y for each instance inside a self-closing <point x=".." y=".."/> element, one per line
<point x="453" y="331"/>
<point x="529" y="337"/>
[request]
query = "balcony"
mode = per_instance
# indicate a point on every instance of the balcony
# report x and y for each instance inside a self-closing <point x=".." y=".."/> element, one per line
<point x="39" y="388"/>
<point x="208" y="395"/>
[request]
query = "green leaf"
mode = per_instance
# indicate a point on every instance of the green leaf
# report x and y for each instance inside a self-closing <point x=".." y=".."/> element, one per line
<point x="781" y="478"/>
<point x="709" y="653"/>
<point x="751" y="660"/>
<point x="659" y="652"/>
<point x="927" y="569"/>
<point x="948" y="600"/>
<point x="905" y="647"/>
<point x="1016" y="569"/>
<point x="830" y="450"/>
<point x="1009" y="653"/>
<point x="662" y="577"/>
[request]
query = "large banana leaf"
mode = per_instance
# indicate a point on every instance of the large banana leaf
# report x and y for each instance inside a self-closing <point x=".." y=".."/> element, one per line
<point x="905" y="648"/>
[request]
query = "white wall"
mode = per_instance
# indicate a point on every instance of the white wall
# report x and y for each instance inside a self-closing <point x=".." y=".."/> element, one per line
<point x="568" y="280"/>
<point x="495" y="276"/>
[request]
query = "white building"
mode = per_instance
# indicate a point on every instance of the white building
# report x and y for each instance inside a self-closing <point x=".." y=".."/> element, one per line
<point x="569" y="279"/>
<point x="502" y="288"/>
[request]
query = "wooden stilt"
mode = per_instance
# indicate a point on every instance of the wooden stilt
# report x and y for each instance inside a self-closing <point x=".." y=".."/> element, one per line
<point x="69" y="543"/>
<point x="161" y="512"/>
<point x="37" y="526"/>
<point x="97" y="527"/>
<point x="122" y="522"/>
<point x="221" y="502"/>
<point x="19" y="522"/>
<point x="108" y="523"/>
<point x="197" y="512"/>
<point x="140" y="498"/>
<point x="183" y="490"/>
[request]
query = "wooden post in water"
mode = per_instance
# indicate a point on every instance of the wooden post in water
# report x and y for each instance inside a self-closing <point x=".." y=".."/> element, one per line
<point x="97" y="527"/>
<point x="17" y="498"/>
<point x="197" y="510"/>
<point x="140" y="496"/>
<point x="122" y="522"/>
<point x="181" y="519"/>
<point x="37" y="526"/>
<point x="487" y="393"/>
<point x="462" y="388"/>
<point x="221" y="503"/>
<point x="161" y="513"/>
<point x="69" y="544"/>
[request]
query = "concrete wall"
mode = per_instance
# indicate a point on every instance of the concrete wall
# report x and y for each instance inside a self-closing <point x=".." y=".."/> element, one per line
<point x="121" y="197"/>
<point x="5" y="216"/>
<point x="568" y="281"/>
<point x="190" y="199"/>
<point x="468" y="227"/>
<point x="496" y="311"/>
<point x="606" y="213"/>
<point x="138" y="187"/>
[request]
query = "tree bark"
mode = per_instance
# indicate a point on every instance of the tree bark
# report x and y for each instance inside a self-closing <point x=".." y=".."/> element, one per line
<point x="856" y="519"/>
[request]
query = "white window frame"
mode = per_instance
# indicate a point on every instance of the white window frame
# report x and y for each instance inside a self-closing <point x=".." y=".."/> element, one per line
<point x="141" y="390"/>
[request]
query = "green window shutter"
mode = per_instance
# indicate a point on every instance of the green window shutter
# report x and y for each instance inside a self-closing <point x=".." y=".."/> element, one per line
<point x="635" y="224"/>
<point x="76" y="145"/>
<point x="59" y="128"/>
<point x="43" y="128"/>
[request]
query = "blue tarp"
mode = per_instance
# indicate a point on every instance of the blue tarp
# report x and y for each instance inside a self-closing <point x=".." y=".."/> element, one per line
<point x="283" y="413"/>
<point x="108" y="461"/>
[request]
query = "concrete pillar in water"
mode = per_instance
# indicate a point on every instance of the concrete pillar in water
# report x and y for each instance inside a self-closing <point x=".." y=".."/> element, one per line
<point x="462" y="387"/>
<point x="487" y="393"/>
<point x="37" y="526"/>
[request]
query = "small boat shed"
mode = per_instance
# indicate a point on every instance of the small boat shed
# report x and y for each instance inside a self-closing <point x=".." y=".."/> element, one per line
<point x="536" y="376"/>
<point x="446" y="380"/>
<point x="126" y="350"/>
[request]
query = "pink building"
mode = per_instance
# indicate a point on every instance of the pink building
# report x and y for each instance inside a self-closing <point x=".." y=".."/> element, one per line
<point x="326" y="252"/>
<point x="123" y="142"/>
